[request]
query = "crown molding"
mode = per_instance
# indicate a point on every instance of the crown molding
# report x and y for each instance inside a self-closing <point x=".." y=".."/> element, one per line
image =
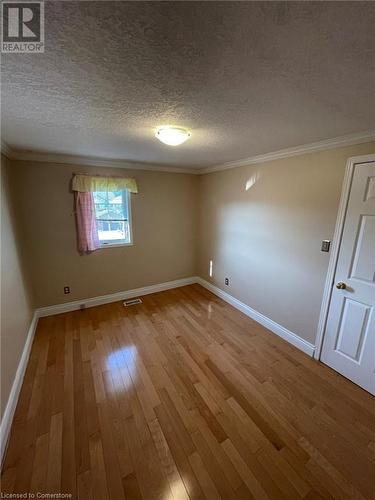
<point x="89" y="161"/>
<point x="346" y="140"/>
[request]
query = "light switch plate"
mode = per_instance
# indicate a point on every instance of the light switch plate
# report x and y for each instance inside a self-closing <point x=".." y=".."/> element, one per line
<point x="325" y="245"/>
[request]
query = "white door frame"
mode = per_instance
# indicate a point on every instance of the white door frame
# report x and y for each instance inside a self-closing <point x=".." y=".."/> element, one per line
<point x="336" y="242"/>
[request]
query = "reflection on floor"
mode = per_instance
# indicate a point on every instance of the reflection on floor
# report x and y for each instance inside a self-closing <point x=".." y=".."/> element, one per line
<point x="184" y="397"/>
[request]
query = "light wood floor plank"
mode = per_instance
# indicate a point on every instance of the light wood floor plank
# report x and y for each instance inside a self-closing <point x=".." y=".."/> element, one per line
<point x="183" y="397"/>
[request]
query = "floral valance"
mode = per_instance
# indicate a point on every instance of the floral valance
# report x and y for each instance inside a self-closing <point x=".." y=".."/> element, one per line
<point x="91" y="183"/>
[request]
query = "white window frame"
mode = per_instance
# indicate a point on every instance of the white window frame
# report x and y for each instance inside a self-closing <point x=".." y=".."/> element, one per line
<point x="130" y="222"/>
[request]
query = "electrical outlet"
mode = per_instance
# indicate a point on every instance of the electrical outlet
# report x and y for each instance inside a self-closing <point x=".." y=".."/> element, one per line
<point x="66" y="289"/>
<point x="226" y="281"/>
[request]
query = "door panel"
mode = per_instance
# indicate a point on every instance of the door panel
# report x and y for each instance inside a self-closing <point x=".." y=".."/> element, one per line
<point x="352" y="329"/>
<point x="364" y="253"/>
<point x="370" y="190"/>
<point x="349" y="342"/>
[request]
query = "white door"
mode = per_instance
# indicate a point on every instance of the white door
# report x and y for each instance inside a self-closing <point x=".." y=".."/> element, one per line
<point x="349" y="342"/>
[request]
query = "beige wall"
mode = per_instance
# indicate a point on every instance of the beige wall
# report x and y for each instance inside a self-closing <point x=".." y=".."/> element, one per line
<point x="267" y="239"/>
<point x="16" y="305"/>
<point x="164" y="217"/>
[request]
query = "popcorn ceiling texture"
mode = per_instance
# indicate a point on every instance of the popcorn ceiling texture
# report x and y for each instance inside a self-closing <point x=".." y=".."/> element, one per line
<point x="246" y="77"/>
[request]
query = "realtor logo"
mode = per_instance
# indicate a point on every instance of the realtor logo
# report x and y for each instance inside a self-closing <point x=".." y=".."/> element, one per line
<point x="22" y="27"/>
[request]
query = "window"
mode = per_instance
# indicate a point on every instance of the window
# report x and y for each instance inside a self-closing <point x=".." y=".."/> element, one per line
<point x="112" y="211"/>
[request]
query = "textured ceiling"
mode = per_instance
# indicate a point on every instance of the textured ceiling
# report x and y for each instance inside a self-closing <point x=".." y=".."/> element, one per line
<point x="245" y="77"/>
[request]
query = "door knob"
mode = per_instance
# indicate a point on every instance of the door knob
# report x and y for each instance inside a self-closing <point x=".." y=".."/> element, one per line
<point x="341" y="285"/>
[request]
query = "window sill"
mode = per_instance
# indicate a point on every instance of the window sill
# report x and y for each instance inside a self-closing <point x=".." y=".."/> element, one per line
<point x="112" y="245"/>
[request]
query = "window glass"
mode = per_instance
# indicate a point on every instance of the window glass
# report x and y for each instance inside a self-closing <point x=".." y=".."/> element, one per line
<point x="112" y="216"/>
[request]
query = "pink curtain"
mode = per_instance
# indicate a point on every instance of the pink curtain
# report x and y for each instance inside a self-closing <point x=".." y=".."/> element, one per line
<point x="88" y="239"/>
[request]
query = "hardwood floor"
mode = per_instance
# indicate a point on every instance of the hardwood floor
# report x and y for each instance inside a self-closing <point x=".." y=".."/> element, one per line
<point x="184" y="397"/>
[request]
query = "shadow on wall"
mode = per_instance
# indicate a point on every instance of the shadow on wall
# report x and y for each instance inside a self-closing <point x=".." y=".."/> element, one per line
<point x="228" y="218"/>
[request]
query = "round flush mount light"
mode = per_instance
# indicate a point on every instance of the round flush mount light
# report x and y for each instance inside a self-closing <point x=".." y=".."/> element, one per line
<point x="172" y="136"/>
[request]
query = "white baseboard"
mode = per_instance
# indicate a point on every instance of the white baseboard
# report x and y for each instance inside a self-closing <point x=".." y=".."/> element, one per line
<point x="282" y="332"/>
<point x="279" y="330"/>
<point x="6" y="422"/>
<point x="113" y="297"/>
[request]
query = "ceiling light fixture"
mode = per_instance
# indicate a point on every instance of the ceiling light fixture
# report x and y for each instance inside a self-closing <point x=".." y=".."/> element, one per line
<point x="172" y="136"/>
